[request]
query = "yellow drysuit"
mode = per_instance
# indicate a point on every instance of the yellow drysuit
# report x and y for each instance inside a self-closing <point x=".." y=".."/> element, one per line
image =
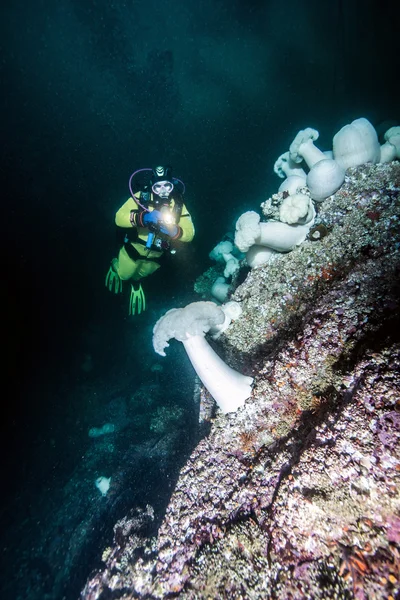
<point x="131" y="265"/>
<point x="135" y="260"/>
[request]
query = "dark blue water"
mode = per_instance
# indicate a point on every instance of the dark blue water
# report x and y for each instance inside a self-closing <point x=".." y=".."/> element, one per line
<point x="92" y="91"/>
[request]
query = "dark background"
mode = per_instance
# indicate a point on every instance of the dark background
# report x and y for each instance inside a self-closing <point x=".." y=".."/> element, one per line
<point x="92" y="91"/>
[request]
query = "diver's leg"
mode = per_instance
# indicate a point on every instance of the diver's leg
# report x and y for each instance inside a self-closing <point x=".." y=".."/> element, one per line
<point x="137" y="303"/>
<point x="128" y="268"/>
<point x="144" y="268"/>
<point x="125" y="266"/>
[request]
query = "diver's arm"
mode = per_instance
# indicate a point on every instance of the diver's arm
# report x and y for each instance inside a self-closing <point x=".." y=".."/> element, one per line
<point x="123" y="216"/>
<point x="186" y="226"/>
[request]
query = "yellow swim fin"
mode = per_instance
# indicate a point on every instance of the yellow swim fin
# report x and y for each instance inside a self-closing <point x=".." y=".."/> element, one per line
<point x="113" y="281"/>
<point x="137" y="301"/>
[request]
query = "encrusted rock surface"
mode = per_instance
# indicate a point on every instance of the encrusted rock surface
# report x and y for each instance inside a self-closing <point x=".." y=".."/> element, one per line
<point x="296" y="495"/>
<point x="362" y="220"/>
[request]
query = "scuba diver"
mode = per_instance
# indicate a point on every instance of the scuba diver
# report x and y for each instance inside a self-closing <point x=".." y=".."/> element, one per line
<point x="152" y="220"/>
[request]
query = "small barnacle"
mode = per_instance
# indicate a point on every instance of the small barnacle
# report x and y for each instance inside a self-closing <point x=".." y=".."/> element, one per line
<point x="318" y="232"/>
<point x="247" y="441"/>
<point x="316" y="404"/>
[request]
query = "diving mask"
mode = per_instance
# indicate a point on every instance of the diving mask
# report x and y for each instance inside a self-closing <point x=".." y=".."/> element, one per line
<point x="162" y="188"/>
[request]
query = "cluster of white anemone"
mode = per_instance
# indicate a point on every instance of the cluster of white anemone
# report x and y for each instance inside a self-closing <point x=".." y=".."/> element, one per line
<point x="223" y="253"/>
<point x="310" y="175"/>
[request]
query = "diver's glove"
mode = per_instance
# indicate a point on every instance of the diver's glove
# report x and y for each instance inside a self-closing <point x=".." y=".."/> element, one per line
<point x="137" y="301"/>
<point x="113" y="281"/>
<point x="152" y="219"/>
<point x="155" y="223"/>
<point x="171" y="230"/>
